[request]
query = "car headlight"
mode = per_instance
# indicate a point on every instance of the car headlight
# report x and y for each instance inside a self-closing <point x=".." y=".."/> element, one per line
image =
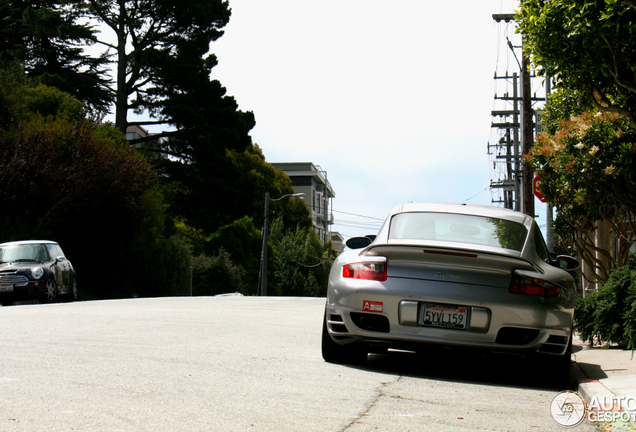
<point x="37" y="272"/>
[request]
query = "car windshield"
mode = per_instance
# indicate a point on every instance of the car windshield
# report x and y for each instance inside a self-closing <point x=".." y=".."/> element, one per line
<point x="30" y="252"/>
<point x="449" y="227"/>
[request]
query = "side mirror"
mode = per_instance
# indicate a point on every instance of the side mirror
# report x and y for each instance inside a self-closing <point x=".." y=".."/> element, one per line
<point x="358" y="242"/>
<point x="566" y="262"/>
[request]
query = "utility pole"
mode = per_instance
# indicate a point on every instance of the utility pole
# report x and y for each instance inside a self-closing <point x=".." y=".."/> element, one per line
<point x="519" y="173"/>
<point x="511" y="185"/>
<point x="527" y="136"/>
<point x="263" y="290"/>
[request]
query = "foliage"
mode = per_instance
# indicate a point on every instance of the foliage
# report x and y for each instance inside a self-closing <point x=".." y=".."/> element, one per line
<point x="212" y="275"/>
<point x="242" y="242"/>
<point x="208" y="194"/>
<point x="154" y="266"/>
<point x="587" y="172"/>
<point x="163" y="67"/>
<point x="301" y="263"/>
<point x="257" y="176"/>
<point x="49" y="38"/>
<point x="67" y="179"/>
<point x="608" y="315"/>
<point x="562" y="105"/>
<point x="587" y="46"/>
<point x="156" y="43"/>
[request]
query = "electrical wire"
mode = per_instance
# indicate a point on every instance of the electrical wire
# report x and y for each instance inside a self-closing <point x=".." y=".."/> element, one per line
<point x="484" y="189"/>
<point x="359" y="215"/>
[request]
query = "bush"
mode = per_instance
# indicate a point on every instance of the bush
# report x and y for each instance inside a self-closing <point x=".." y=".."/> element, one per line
<point x="301" y="263"/>
<point x="159" y="266"/>
<point x="243" y="242"/>
<point x="608" y="314"/>
<point x="212" y="275"/>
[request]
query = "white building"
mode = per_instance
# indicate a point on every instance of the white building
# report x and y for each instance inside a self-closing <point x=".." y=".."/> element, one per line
<point x="312" y="181"/>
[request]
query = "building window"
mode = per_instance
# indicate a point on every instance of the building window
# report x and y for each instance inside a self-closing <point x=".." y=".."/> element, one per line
<point x="318" y="203"/>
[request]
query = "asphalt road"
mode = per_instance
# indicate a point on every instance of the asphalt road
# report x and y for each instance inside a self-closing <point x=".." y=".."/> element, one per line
<point x="239" y="364"/>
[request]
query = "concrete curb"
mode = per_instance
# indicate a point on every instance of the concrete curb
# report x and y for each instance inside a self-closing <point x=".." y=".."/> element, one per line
<point x="606" y="389"/>
<point x="591" y="388"/>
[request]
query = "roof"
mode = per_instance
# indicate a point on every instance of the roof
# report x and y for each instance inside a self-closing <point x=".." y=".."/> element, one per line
<point x="305" y="169"/>
<point x="26" y="242"/>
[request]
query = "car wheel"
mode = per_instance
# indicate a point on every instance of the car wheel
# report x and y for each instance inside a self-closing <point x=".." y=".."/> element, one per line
<point x="556" y="369"/>
<point x="336" y="353"/>
<point x="564" y="364"/>
<point x="73" y="295"/>
<point x="50" y="292"/>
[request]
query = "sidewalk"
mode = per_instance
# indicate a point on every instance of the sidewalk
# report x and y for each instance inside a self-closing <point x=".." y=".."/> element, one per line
<point x="606" y="374"/>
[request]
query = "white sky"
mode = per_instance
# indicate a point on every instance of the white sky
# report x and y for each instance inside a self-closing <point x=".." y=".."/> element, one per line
<point x="392" y="99"/>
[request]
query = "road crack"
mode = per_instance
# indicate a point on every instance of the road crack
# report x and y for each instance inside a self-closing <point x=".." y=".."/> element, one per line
<point x="380" y="392"/>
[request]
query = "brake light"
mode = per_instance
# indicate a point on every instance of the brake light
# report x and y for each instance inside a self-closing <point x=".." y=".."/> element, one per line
<point x="532" y="286"/>
<point x="365" y="271"/>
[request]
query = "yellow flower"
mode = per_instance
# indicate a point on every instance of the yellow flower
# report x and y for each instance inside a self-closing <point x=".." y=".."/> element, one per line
<point x="610" y="169"/>
<point x="593" y="150"/>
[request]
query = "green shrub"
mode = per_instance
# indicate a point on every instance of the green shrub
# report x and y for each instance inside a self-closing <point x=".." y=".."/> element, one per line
<point x="243" y="242"/>
<point x="608" y="314"/>
<point x="212" y="275"/>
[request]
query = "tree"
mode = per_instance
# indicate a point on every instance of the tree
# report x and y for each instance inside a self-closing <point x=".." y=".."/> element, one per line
<point x="148" y="32"/>
<point x="301" y="263"/>
<point x="49" y="39"/>
<point x="587" y="46"/>
<point x="163" y="67"/>
<point x="587" y="171"/>
<point x="255" y="177"/>
<point x="208" y="126"/>
<point x="67" y="179"/>
<point x="240" y="242"/>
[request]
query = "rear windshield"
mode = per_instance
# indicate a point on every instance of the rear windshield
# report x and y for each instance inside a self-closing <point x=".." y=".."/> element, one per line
<point x="459" y="228"/>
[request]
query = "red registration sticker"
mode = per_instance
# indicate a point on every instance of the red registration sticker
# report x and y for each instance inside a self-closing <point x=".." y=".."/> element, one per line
<point x="372" y="306"/>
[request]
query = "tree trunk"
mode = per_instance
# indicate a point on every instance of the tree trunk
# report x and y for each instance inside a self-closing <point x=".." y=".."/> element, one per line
<point x="121" y="103"/>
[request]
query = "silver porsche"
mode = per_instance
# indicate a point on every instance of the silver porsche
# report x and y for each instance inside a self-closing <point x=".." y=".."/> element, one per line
<point x="453" y="275"/>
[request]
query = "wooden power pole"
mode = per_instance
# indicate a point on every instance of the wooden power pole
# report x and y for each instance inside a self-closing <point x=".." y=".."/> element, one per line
<point x="527" y="136"/>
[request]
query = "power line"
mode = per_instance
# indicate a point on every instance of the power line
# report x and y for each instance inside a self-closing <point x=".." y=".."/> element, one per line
<point x="353" y="214"/>
<point x="357" y="223"/>
<point x="484" y="189"/>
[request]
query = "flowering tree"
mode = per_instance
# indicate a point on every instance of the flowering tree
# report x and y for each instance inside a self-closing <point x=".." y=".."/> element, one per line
<point x="587" y="169"/>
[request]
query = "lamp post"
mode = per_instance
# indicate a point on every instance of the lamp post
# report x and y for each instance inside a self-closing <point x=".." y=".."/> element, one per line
<point x="263" y="289"/>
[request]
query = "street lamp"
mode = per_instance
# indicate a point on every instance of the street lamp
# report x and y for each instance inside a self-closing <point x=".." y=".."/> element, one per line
<point x="263" y="290"/>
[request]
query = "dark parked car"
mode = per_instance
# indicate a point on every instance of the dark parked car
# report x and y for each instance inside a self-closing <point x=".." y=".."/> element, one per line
<point x="35" y="269"/>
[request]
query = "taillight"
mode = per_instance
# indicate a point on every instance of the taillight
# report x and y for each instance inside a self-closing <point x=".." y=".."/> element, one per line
<point x="365" y="271"/>
<point x="532" y="286"/>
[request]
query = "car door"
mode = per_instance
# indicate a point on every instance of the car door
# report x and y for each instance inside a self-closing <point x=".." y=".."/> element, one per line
<point x="60" y="266"/>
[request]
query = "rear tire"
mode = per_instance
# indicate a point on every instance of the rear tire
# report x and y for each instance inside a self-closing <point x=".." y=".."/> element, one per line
<point x="333" y="352"/>
<point x="73" y="295"/>
<point x="556" y="369"/>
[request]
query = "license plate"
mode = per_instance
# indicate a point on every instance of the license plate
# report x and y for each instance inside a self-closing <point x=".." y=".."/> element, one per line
<point x="6" y="288"/>
<point x="447" y="316"/>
